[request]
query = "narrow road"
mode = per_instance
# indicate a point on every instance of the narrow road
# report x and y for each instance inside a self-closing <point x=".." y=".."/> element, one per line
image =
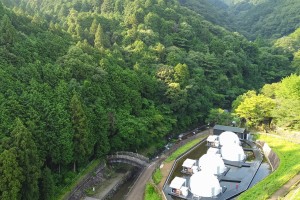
<point x="137" y="191"/>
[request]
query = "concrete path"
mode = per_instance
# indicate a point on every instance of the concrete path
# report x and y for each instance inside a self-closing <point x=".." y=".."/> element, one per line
<point x="285" y="188"/>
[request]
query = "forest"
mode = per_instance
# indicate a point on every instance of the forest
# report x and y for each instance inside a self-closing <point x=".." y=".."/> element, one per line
<point x="81" y="79"/>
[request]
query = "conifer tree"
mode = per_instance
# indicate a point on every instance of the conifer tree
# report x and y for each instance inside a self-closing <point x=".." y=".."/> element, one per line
<point x="81" y="131"/>
<point x="11" y="176"/>
<point x="99" y="37"/>
<point x="7" y="31"/>
<point x="28" y="160"/>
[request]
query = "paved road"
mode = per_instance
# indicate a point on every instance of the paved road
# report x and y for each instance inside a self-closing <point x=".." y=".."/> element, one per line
<point x="137" y="192"/>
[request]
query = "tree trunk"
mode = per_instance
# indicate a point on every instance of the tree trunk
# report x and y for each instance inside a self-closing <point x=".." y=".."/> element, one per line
<point x="74" y="166"/>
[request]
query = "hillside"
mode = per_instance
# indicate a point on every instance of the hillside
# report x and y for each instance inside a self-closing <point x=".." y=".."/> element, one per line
<point x="265" y="18"/>
<point x="82" y="79"/>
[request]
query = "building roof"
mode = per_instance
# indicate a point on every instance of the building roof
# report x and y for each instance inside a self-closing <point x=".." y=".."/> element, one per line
<point x="230" y="128"/>
<point x="188" y="163"/>
<point x="177" y="182"/>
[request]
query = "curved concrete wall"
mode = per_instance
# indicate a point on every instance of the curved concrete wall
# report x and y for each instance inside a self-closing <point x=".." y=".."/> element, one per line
<point x="269" y="154"/>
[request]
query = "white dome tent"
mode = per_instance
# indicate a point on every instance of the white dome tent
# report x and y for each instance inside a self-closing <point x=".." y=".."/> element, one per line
<point x="212" y="163"/>
<point x="203" y="184"/>
<point x="228" y="138"/>
<point x="233" y="152"/>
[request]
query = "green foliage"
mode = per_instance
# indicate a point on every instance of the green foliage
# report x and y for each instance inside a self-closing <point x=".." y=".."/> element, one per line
<point x="48" y="185"/>
<point x="184" y="148"/>
<point x="157" y="176"/>
<point x="255" y="109"/>
<point x="219" y="116"/>
<point x="278" y="102"/>
<point x="264" y="17"/>
<point x="28" y="159"/>
<point x="289" y="166"/>
<point x="151" y="193"/>
<point x="11" y="176"/>
<point x="288" y="102"/>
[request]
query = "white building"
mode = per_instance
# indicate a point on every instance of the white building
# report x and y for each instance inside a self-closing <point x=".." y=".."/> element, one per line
<point x="212" y="163"/>
<point x="189" y="166"/>
<point x="178" y="187"/>
<point x="203" y="184"/>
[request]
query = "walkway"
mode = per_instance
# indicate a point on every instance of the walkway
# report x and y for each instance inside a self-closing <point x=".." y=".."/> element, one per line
<point x="284" y="190"/>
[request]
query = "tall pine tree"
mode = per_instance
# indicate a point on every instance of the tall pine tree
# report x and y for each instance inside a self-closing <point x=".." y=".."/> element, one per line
<point x="28" y="159"/>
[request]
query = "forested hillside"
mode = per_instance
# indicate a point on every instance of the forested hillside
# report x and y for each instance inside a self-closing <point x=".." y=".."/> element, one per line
<point x="265" y="18"/>
<point x="81" y="79"/>
<point x="276" y="105"/>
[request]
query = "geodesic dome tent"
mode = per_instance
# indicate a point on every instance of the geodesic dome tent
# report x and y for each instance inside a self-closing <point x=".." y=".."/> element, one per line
<point x="212" y="163"/>
<point x="233" y="152"/>
<point x="228" y="138"/>
<point x="204" y="184"/>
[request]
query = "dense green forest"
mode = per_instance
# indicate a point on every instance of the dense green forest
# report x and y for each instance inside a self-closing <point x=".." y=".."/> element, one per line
<point x="265" y="18"/>
<point x="83" y="78"/>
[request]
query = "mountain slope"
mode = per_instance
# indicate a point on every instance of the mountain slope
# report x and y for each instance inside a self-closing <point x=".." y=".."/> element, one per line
<point x="266" y="18"/>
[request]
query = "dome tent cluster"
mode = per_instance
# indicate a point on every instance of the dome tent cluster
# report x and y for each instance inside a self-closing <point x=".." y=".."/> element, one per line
<point x="204" y="172"/>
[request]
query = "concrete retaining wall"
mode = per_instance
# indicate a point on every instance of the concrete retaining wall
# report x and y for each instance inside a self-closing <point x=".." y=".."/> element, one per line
<point x="269" y="154"/>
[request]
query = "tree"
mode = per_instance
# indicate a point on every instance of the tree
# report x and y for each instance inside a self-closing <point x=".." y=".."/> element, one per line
<point x="28" y="159"/>
<point x="7" y="31"/>
<point x="99" y="41"/>
<point x="219" y="116"/>
<point x="256" y="109"/>
<point x="47" y="185"/>
<point x="288" y="102"/>
<point x="181" y="74"/>
<point x="11" y="176"/>
<point x="81" y="138"/>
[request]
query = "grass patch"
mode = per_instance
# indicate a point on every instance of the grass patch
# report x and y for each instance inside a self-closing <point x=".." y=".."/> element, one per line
<point x="157" y="176"/>
<point x="79" y="177"/>
<point x="289" y="155"/>
<point x="151" y="193"/>
<point x="184" y="148"/>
